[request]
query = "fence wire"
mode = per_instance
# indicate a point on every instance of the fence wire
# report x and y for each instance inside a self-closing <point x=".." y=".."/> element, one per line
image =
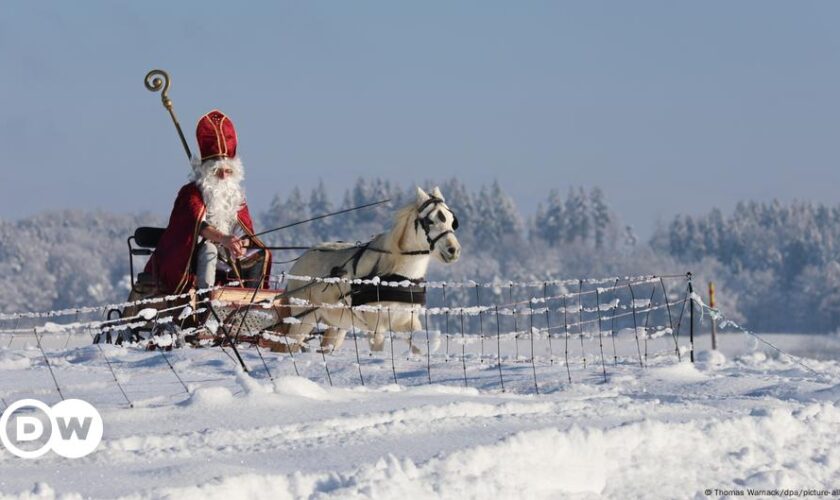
<point x="467" y="323"/>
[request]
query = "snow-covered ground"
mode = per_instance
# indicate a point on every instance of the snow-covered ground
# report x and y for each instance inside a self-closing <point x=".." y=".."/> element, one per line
<point x="745" y="417"/>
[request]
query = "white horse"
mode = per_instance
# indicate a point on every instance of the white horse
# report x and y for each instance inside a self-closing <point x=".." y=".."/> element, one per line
<point x="422" y="229"/>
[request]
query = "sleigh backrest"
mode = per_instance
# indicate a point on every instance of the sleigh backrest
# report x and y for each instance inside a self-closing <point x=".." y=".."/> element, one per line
<point x="148" y="237"/>
<point x="142" y="243"/>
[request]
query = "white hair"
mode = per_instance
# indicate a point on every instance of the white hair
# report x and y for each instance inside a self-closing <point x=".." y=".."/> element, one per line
<point x="222" y="197"/>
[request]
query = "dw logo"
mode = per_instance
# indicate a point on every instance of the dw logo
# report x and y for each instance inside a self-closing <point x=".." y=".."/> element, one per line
<point x="30" y="428"/>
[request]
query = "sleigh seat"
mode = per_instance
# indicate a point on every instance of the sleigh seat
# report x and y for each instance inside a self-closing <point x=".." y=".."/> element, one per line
<point x="142" y="244"/>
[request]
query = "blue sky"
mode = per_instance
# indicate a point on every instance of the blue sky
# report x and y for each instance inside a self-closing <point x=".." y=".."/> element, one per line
<point x="668" y="106"/>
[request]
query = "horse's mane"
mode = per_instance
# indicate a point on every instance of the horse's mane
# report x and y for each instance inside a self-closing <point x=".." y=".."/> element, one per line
<point x="402" y="220"/>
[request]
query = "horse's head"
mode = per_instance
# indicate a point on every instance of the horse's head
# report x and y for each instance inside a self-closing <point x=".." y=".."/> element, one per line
<point x="438" y="223"/>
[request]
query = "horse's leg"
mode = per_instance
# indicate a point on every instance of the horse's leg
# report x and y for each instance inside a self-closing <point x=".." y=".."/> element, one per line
<point x="406" y="324"/>
<point x="297" y="333"/>
<point x="414" y="326"/>
<point x="376" y="341"/>
<point x="333" y="338"/>
<point x="376" y="335"/>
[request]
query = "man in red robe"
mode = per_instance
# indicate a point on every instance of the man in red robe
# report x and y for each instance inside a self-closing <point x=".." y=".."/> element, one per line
<point x="210" y="228"/>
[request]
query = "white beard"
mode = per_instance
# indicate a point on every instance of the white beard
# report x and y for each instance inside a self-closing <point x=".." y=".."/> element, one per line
<point x="223" y="198"/>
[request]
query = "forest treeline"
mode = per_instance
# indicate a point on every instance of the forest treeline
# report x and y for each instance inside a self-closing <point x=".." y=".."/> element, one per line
<point x="775" y="265"/>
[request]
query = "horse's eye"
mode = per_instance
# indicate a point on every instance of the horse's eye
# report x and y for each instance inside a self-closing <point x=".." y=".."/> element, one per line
<point x="441" y="217"/>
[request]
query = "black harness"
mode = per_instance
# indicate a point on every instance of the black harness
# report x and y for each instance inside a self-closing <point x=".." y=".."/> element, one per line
<point x="415" y="293"/>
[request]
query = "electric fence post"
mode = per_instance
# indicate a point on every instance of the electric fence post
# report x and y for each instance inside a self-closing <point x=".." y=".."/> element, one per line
<point x="691" y="316"/>
<point x="712" y="306"/>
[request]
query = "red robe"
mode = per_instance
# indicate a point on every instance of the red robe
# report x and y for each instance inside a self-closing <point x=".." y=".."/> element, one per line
<point x="172" y="259"/>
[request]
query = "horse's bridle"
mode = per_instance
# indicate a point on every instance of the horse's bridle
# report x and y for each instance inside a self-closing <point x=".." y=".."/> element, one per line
<point x="426" y="223"/>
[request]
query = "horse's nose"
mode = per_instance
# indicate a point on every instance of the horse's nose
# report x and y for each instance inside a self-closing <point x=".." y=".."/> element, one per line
<point x="453" y="251"/>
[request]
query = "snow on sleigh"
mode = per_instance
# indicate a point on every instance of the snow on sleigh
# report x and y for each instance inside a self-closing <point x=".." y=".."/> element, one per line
<point x="225" y="314"/>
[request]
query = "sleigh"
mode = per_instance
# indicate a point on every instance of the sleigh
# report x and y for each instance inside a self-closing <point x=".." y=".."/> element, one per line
<point x="227" y="314"/>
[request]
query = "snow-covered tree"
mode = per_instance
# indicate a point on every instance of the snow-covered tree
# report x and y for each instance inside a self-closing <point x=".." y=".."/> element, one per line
<point x="577" y="215"/>
<point x="550" y="223"/>
<point x="319" y="204"/>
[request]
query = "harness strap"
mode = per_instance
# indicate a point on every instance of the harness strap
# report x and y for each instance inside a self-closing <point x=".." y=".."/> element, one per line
<point x="433" y="200"/>
<point x="434" y="240"/>
<point x="357" y="256"/>
<point x="367" y="293"/>
<point x="416" y="252"/>
<point x="413" y="252"/>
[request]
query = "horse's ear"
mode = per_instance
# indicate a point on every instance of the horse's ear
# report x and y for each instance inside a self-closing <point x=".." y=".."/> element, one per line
<point x="437" y="194"/>
<point x="422" y="196"/>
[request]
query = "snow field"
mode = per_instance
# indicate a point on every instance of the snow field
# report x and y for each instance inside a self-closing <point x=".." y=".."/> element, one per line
<point x="743" y="417"/>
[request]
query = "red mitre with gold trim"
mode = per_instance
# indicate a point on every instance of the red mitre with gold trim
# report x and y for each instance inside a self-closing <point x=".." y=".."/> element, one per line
<point x="216" y="136"/>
